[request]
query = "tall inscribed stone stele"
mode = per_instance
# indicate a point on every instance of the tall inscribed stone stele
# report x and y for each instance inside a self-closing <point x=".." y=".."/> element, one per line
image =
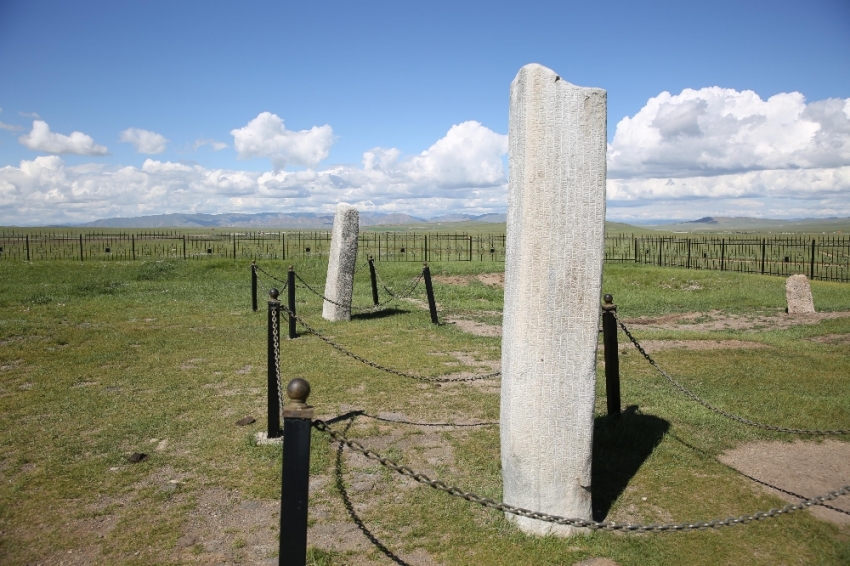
<point x="553" y="278"/>
<point x="339" y="285"/>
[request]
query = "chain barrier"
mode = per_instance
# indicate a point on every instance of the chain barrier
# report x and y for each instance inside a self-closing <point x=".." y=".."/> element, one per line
<point x="349" y="306"/>
<point x="260" y="269"/>
<point x="711" y="407"/>
<point x="401" y="421"/>
<point x="404" y="294"/>
<point x="555" y="519"/>
<point x="362" y="360"/>
<point x="276" y="341"/>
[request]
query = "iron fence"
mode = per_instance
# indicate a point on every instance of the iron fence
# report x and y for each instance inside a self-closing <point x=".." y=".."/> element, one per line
<point x="823" y="257"/>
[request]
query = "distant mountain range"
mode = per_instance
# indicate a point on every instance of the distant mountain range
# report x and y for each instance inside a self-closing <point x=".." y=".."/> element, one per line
<point x="743" y="223"/>
<point x="298" y="220"/>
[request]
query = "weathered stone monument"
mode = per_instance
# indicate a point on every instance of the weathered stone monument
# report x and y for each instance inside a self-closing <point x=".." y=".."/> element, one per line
<point x="798" y="293"/>
<point x="553" y="278"/>
<point x="339" y="285"/>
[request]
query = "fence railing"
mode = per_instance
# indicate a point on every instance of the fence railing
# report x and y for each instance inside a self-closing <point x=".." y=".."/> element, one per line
<point x="823" y="257"/>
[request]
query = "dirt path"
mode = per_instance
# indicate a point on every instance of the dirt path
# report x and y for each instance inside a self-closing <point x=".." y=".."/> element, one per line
<point x="806" y="469"/>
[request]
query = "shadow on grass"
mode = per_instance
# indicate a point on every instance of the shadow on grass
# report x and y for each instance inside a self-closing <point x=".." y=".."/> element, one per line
<point x="620" y="447"/>
<point x="384" y="313"/>
<point x="349" y="506"/>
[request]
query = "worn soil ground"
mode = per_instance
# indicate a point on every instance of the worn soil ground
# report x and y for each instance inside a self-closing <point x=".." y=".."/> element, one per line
<point x="797" y="470"/>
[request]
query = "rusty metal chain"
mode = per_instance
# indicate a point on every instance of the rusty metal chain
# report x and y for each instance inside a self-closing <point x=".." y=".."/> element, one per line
<point x="399" y="373"/>
<point x="349" y="306"/>
<point x="711" y="407"/>
<point x="275" y="312"/>
<point x="260" y="269"/>
<point x="555" y="519"/>
<point x="407" y="292"/>
<point x="401" y="421"/>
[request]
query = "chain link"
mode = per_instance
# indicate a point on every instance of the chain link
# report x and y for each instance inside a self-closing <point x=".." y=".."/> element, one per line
<point x="349" y="306"/>
<point x="400" y="421"/>
<point x="275" y="311"/>
<point x="362" y="360"/>
<point x="711" y="407"/>
<point x="555" y="519"/>
<point x="404" y="294"/>
<point x="260" y="269"/>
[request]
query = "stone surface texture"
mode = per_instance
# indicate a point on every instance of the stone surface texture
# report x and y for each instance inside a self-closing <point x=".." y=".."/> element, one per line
<point x="339" y="285"/>
<point x="553" y="277"/>
<point x="798" y="293"/>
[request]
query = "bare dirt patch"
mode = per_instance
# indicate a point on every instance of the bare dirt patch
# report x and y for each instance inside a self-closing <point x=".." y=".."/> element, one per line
<point x="451" y="279"/>
<point x="718" y="320"/>
<point x="832" y="339"/>
<point x="475" y="327"/>
<point x="492" y="279"/>
<point x="806" y="469"/>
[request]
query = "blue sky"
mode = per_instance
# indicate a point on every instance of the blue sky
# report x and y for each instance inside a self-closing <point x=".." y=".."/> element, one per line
<point x="721" y="108"/>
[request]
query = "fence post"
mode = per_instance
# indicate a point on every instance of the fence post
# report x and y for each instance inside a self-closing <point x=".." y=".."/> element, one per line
<point x="274" y="368"/>
<point x="374" y="280"/>
<point x="133" y="246"/>
<point x="722" y="254"/>
<point x="28" y="246"/>
<point x="812" y="271"/>
<point x="612" y="355"/>
<point x="635" y="239"/>
<point x="762" y="255"/>
<point x="429" y="290"/>
<point x="470" y="248"/>
<point x="689" y="253"/>
<point x="81" y="249"/>
<point x="234" y="245"/>
<point x="295" y="475"/>
<point x="254" y="285"/>
<point x="290" y="290"/>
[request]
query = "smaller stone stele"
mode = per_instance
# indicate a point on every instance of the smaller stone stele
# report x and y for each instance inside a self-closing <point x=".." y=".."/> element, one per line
<point x="798" y="293"/>
<point x="342" y="259"/>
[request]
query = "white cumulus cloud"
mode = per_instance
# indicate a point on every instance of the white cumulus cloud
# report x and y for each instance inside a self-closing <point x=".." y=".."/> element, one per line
<point x="147" y="142"/>
<point x="716" y="131"/>
<point x="266" y="136"/>
<point x="461" y="171"/>
<point x="215" y="145"/>
<point x="42" y="139"/>
<point x="710" y="148"/>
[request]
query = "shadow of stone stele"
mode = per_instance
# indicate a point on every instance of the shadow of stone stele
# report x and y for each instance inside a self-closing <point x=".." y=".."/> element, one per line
<point x="384" y="313"/>
<point x="620" y="447"/>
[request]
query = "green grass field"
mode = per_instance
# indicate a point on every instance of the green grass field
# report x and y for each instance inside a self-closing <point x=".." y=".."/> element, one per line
<point x="101" y="360"/>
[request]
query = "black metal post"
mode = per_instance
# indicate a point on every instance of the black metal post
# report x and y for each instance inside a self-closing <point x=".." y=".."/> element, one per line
<point x="722" y="254"/>
<point x="290" y="286"/>
<point x="762" y="255"/>
<point x="81" y="248"/>
<point x="28" y="246"/>
<point x="295" y="475"/>
<point x="133" y="246"/>
<point x="812" y="271"/>
<point x="429" y="289"/>
<point x="374" y="278"/>
<point x="254" y="285"/>
<point x="274" y="345"/>
<point x="184" y="246"/>
<point x="612" y="356"/>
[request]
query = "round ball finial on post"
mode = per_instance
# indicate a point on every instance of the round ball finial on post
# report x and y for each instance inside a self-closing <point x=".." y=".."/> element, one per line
<point x="274" y="293"/>
<point x="608" y="302"/>
<point x="298" y="390"/>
